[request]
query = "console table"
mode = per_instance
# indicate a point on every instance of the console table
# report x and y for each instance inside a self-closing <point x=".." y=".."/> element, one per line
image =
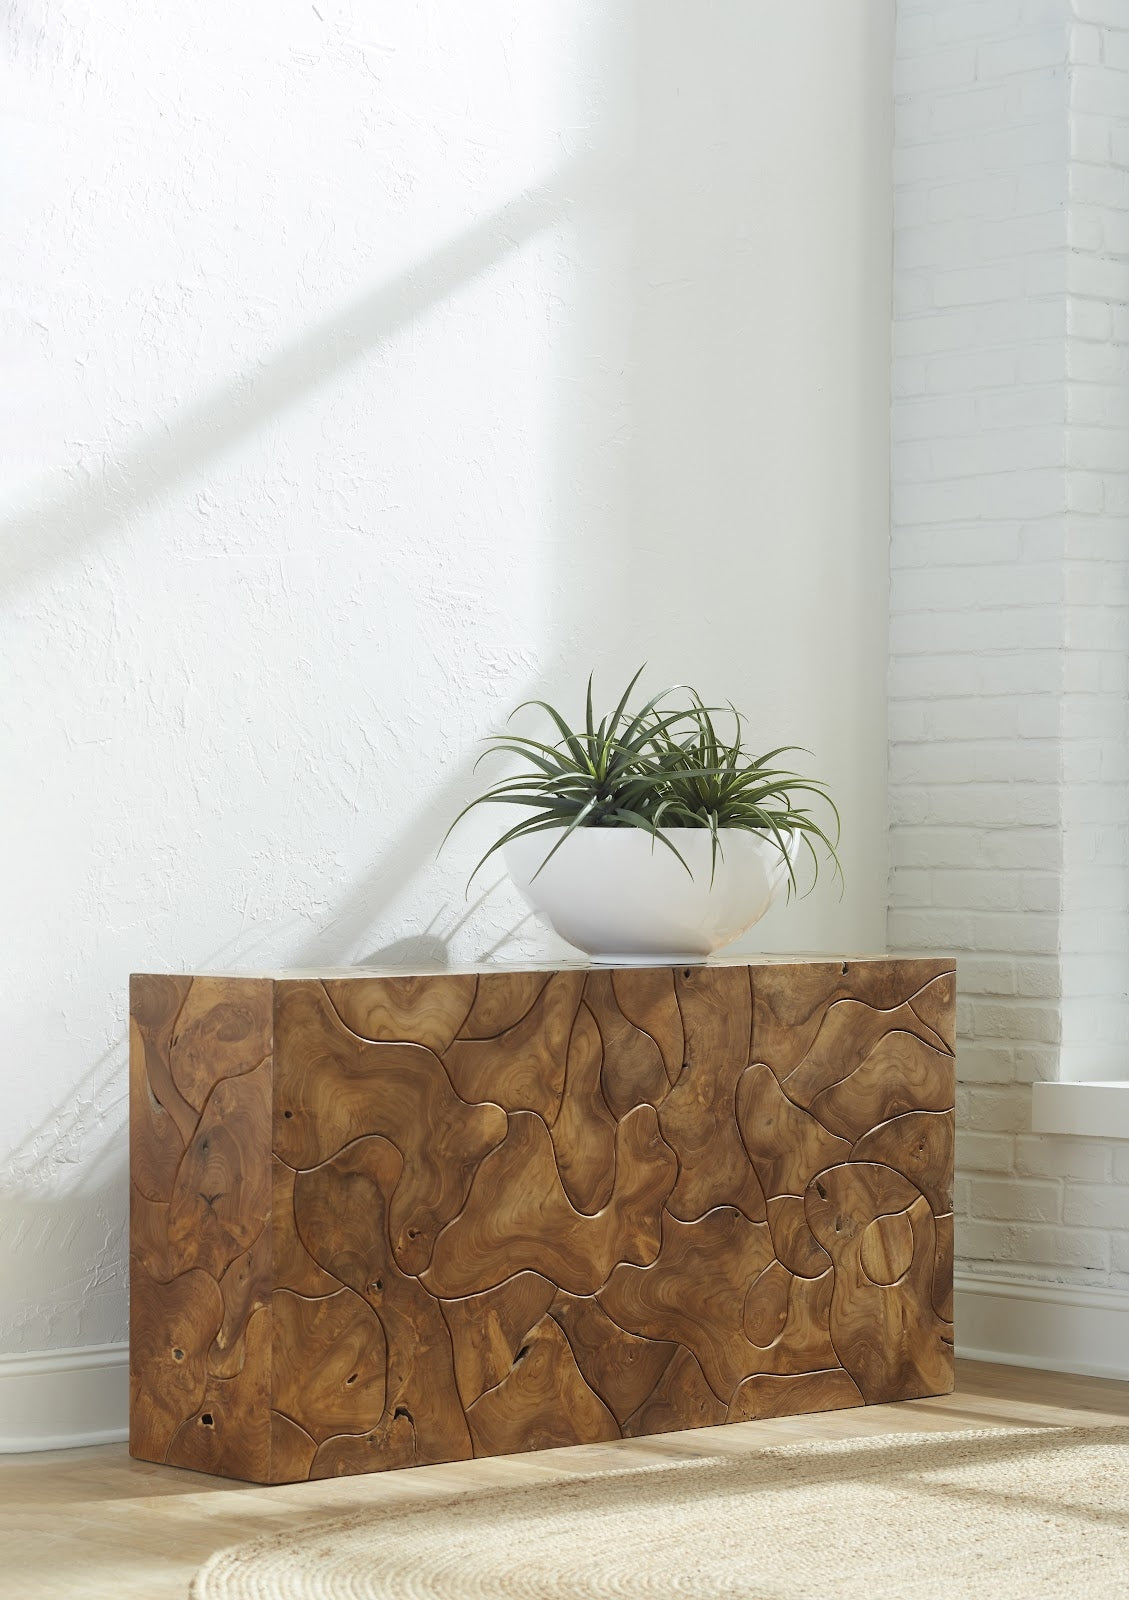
<point x="379" y="1220"/>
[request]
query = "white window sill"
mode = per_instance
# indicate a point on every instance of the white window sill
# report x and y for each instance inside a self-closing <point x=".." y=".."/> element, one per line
<point x="1092" y="1110"/>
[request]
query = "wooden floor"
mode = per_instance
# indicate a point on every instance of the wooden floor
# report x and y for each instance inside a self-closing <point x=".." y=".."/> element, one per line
<point x="92" y="1523"/>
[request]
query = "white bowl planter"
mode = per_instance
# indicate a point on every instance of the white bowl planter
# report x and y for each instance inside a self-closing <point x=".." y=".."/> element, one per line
<point x="619" y="896"/>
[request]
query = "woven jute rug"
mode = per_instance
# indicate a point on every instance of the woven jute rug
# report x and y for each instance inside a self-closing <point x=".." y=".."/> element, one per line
<point x="988" y="1513"/>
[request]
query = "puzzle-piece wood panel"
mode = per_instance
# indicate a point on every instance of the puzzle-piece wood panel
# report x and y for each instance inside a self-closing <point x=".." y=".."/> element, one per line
<point x="384" y="1221"/>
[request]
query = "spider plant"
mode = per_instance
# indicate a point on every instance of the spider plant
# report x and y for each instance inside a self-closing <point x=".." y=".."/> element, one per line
<point x="713" y="781"/>
<point x="666" y="765"/>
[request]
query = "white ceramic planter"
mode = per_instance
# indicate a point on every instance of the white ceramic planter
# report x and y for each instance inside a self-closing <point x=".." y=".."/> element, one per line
<point x="619" y="896"/>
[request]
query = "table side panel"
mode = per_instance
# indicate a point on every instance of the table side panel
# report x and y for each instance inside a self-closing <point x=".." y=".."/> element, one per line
<point x="200" y="1236"/>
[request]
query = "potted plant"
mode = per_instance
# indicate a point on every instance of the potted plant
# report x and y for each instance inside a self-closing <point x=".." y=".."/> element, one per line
<point x="654" y="834"/>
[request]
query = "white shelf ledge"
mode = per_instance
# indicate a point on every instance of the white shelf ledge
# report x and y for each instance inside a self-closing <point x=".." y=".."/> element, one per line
<point x="1092" y="1110"/>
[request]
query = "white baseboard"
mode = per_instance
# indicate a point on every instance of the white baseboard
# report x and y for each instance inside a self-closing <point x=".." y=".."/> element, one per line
<point x="57" y="1399"/>
<point x="1057" y="1327"/>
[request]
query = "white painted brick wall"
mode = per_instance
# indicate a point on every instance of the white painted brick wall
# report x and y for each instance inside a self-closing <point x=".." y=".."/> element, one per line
<point x="1009" y="676"/>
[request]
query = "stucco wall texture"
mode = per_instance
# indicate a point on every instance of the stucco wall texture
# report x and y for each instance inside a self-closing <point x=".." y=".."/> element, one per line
<point x="368" y="372"/>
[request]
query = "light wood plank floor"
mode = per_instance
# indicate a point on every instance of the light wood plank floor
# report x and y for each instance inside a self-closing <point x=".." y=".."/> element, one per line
<point x="91" y="1524"/>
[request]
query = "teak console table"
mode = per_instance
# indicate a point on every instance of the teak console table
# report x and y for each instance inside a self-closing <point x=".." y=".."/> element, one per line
<point x="380" y="1220"/>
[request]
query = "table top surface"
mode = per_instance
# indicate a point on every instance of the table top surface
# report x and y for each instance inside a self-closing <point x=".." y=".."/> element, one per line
<point x="472" y="969"/>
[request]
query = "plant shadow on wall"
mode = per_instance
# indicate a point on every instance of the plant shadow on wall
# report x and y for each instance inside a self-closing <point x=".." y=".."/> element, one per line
<point x="432" y="947"/>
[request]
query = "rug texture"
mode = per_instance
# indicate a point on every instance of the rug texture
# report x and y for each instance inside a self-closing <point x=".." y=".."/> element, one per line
<point x="989" y="1513"/>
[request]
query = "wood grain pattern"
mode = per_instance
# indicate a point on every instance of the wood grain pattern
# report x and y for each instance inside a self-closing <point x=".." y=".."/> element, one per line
<point x="522" y="1068"/>
<point x="222" y="1031"/>
<point x="542" y="1401"/>
<point x="384" y="1221"/>
<point x="785" y="1394"/>
<point x="583" y="1132"/>
<point x="622" y="1368"/>
<point x="694" y="1294"/>
<point x="517" y="1217"/>
<point x="404" y="1009"/>
<point x="487" y="1330"/>
<point x="332" y="1087"/>
<point x="697" y="1116"/>
<point x="201" y="1266"/>
<point x="633" y="1069"/>
<point x="230" y="1428"/>
<point x="681" y="1399"/>
<point x="220" y="1203"/>
<point x="869" y="1320"/>
<point x="786" y="1144"/>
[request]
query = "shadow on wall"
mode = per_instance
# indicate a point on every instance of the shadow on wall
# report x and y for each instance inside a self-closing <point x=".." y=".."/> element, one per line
<point x="432" y="947"/>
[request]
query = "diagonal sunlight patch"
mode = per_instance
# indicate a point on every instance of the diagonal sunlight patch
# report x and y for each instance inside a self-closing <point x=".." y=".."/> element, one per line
<point x="65" y="515"/>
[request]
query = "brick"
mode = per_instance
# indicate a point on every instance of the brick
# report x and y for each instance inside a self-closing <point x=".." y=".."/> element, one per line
<point x="1089" y="1205"/>
<point x="952" y="588"/>
<point x="1010" y="1018"/>
<point x="1115" y="58"/>
<point x="1012" y="408"/>
<point x="972" y="286"/>
<point x="934" y="417"/>
<point x="933" y="676"/>
<point x="1037" y="978"/>
<point x="957" y="24"/>
<point x="1034" y="1243"/>
<point x="940" y="69"/>
<point x="1109" y="12"/>
<point x="1098" y="405"/>
<point x="1014" y="1199"/>
<point x="913" y="34"/>
<point x="928" y="930"/>
<point x="1023" y="52"/>
<point x="990" y="106"/>
<point x="987" y="975"/>
<point x="1099" y="185"/>
<point x="1015" y="760"/>
<point x="1087" y="319"/>
<point x="974" y="330"/>
<point x="1101" y="277"/>
<point x="979" y="804"/>
<point x="1002" y="1110"/>
<point x="1096" y="363"/>
<point x="984" y="1152"/>
<point x="929" y="846"/>
<point x="1038" y="1063"/>
<point x="981" y="1063"/>
<point x="1098" y="89"/>
<point x="1085" y="43"/>
<point x="987" y="196"/>
<point x="969" y="371"/>
<point x="1042" y="187"/>
<point x="1053" y="1156"/>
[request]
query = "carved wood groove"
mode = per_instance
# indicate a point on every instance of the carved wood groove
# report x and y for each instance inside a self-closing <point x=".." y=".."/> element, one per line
<point x="384" y="1221"/>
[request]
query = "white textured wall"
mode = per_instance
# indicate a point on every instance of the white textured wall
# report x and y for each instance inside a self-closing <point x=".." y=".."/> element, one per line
<point x="1010" y="594"/>
<point x="371" y="369"/>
